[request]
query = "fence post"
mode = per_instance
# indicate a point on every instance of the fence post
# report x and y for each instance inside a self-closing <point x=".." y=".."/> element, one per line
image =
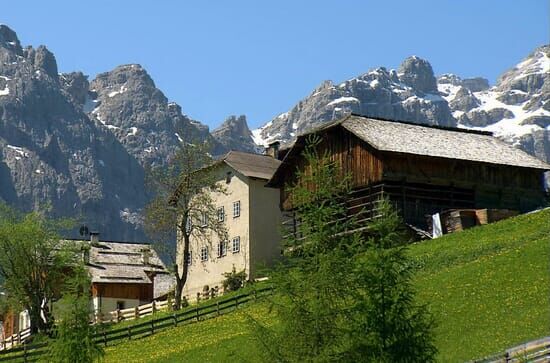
<point x="25" y="351"/>
<point x="154" y="307"/>
<point x="19" y="337"/>
<point x="237" y="302"/>
<point x="118" y="317"/>
<point x="254" y="292"/>
<point x="129" y="332"/>
<point x="217" y="308"/>
<point x="197" y="312"/>
<point x="506" y="357"/>
<point x="152" y="326"/>
<point x="136" y="312"/>
<point x="175" y="316"/>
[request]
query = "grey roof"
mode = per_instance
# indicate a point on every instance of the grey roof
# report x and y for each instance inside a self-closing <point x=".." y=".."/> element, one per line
<point x="252" y="165"/>
<point x="119" y="262"/>
<point x="452" y="143"/>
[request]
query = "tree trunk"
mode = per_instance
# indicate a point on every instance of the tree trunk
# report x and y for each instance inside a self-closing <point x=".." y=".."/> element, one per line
<point x="182" y="279"/>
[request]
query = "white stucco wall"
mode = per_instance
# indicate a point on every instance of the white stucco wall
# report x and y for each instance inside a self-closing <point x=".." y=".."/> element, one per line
<point x="109" y="304"/>
<point x="257" y="226"/>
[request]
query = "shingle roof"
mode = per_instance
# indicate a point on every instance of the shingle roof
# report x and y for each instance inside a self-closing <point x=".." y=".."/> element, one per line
<point x="118" y="262"/>
<point x="252" y="165"/>
<point x="451" y="143"/>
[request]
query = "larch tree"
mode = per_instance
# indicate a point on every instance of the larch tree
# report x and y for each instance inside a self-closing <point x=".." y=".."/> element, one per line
<point x="344" y="292"/>
<point x="183" y="207"/>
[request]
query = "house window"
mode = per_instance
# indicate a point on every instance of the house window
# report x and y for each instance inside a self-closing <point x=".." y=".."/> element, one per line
<point x="189" y="258"/>
<point x="222" y="248"/>
<point x="204" y="219"/>
<point x="204" y="253"/>
<point x="188" y="225"/>
<point x="228" y="177"/>
<point x="236" y="244"/>
<point x="221" y="214"/>
<point x="236" y="209"/>
<point x="120" y="305"/>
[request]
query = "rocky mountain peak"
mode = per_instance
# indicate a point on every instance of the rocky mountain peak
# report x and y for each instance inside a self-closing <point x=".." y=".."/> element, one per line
<point x="9" y="39"/>
<point x="234" y="134"/>
<point x="418" y="73"/>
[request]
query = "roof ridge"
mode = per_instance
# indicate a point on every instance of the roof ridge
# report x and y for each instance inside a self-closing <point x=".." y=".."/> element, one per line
<point x="446" y="128"/>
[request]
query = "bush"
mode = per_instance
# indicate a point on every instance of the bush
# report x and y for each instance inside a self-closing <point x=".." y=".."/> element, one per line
<point x="234" y="280"/>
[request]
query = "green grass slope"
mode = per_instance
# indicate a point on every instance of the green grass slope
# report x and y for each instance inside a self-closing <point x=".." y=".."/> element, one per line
<point x="488" y="288"/>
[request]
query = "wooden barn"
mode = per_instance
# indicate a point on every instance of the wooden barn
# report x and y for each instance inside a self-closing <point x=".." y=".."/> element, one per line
<point x="422" y="169"/>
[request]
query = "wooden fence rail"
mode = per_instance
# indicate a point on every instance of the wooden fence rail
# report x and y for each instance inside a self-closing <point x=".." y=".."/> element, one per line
<point x="15" y="339"/>
<point x="534" y="351"/>
<point x="31" y="352"/>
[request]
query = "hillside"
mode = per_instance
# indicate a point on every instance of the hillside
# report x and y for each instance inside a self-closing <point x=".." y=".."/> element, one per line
<point x="487" y="287"/>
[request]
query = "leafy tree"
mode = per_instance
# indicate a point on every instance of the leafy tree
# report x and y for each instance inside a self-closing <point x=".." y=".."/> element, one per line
<point x="32" y="263"/>
<point x="183" y="207"/>
<point x="343" y="294"/>
<point x="74" y="334"/>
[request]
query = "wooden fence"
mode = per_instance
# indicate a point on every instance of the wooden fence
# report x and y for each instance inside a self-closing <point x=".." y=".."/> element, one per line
<point x="15" y="339"/>
<point x="133" y="313"/>
<point x="31" y="352"/>
<point x="534" y="351"/>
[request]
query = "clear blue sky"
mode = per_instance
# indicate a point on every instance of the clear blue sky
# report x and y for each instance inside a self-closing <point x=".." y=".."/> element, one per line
<point x="259" y="58"/>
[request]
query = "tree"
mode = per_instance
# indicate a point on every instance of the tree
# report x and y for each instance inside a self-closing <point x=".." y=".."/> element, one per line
<point x="74" y="335"/>
<point x="344" y="293"/>
<point x="312" y="290"/>
<point x="386" y="324"/>
<point x="32" y="263"/>
<point x="183" y="207"/>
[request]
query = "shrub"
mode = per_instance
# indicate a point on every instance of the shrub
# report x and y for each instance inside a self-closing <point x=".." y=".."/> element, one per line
<point x="234" y="280"/>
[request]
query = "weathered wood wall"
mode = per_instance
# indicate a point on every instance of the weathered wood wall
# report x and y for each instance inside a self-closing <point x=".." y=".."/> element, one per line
<point x="142" y="292"/>
<point x="351" y="155"/>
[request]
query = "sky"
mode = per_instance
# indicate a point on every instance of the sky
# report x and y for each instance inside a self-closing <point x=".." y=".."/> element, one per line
<point x="259" y="58"/>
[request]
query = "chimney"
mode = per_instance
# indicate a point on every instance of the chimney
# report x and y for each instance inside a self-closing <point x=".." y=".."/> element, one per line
<point x="273" y="150"/>
<point x="146" y="255"/>
<point x="94" y="238"/>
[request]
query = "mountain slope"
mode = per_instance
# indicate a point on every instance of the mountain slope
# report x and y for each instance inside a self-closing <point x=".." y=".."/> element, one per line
<point x="234" y="134"/>
<point x="52" y="154"/>
<point x="516" y="109"/>
<point x="409" y="94"/>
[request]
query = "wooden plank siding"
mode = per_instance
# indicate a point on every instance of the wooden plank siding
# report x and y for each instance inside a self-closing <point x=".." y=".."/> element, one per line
<point x="351" y="155"/>
<point x="142" y="292"/>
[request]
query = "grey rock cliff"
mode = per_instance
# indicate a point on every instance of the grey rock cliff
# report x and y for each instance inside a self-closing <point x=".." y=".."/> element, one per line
<point x="410" y="95"/>
<point x="127" y="103"/>
<point x="234" y="134"/>
<point x="52" y="155"/>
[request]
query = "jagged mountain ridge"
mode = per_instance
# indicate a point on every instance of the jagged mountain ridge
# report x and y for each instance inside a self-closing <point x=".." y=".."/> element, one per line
<point x="516" y="109"/>
<point x="81" y="147"/>
<point x="52" y="155"/>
